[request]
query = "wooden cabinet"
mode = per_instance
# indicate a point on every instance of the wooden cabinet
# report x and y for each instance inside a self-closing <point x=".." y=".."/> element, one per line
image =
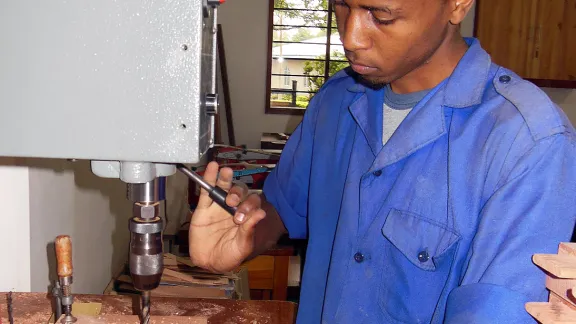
<point x="268" y="273"/>
<point x="534" y="38"/>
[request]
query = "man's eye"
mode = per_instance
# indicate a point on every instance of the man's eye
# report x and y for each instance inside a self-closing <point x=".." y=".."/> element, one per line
<point x="382" y="18"/>
<point x="384" y="21"/>
<point x="340" y="3"/>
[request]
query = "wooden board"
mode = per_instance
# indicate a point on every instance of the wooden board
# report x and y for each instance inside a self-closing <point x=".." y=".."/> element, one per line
<point x="133" y="319"/>
<point x="36" y="308"/>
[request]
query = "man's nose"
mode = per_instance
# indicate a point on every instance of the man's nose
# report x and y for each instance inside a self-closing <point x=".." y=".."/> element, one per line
<point x="355" y="34"/>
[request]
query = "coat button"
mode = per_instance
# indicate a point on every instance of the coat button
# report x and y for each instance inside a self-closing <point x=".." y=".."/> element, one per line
<point x="423" y="256"/>
<point x="358" y="257"/>
<point x="377" y="173"/>
<point x="505" y="78"/>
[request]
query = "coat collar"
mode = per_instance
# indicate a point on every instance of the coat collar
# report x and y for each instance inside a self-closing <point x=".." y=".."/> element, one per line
<point x="464" y="88"/>
<point x="426" y="122"/>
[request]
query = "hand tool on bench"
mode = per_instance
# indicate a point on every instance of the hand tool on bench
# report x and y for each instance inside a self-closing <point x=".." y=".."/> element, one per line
<point x="63" y="245"/>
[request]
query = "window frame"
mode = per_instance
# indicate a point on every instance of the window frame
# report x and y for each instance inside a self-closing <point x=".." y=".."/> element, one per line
<point x="329" y="27"/>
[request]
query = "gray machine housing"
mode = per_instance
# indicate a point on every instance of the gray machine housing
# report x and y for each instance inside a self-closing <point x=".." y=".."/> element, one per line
<point x="107" y="80"/>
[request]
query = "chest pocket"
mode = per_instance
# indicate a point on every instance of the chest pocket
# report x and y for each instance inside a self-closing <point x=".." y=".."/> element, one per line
<point x="417" y="258"/>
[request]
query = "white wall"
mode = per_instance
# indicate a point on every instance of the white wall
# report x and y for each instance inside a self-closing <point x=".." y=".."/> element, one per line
<point x="45" y="198"/>
<point x="245" y="27"/>
<point x="15" y="235"/>
<point x="66" y="198"/>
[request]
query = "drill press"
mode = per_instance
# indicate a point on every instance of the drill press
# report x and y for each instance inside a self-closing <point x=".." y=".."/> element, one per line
<point x="127" y="85"/>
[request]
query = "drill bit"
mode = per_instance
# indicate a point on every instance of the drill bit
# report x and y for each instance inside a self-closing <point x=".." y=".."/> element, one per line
<point x="145" y="318"/>
<point x="10" y="310"/>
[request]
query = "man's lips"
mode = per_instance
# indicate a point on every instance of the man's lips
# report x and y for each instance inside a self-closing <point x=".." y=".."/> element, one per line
<point x="361" y="69"/>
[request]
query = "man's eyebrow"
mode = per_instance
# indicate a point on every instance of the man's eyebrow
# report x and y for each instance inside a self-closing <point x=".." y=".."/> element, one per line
<point x="387" y="10"/>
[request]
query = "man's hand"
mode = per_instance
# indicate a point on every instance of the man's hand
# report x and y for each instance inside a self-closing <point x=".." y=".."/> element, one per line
<point x="218" y="241"/>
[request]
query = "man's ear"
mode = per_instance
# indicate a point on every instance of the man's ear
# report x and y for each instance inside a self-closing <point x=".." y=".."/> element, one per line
<point x="460" y="8"/>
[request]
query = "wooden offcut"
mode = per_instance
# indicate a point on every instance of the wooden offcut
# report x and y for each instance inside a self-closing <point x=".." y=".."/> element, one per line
<point x="561" y="266"/>
<point x="560" y="270"/>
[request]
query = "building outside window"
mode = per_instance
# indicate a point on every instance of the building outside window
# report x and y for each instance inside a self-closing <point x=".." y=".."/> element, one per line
<point x="304" y="51"/>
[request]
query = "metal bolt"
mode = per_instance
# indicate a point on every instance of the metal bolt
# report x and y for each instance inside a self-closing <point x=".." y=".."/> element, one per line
<point x="145" y="211"/>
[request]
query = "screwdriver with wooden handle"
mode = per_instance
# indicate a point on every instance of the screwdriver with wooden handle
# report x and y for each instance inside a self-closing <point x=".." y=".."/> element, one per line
<point x="63" y="245"/>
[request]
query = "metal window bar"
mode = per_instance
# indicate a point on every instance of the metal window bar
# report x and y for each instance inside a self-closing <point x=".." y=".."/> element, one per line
<point x="311" y="59"/>
<point x="281" y="90"/>
<point x="290" y="42"/>
<point x="298" y="75"/>
<point x="301" y="9"/>
<point x="311" y="43"/>
<point x="328" y="37"/>
<point x="302" y="26"/>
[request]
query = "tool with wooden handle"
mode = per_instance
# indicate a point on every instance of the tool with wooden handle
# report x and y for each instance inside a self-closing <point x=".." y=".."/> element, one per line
<point x="63" y="245"/>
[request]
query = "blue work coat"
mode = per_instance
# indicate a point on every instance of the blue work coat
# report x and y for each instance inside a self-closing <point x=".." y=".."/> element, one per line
<point x="440" y="224"/>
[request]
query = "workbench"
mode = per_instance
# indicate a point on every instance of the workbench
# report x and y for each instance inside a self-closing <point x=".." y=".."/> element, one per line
<point x="36" y="308"/>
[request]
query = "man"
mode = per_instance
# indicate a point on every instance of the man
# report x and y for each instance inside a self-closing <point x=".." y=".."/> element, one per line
<point x="425" y="178"/>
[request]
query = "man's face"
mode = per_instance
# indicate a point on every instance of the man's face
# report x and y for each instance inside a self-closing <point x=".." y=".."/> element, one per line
<point x="386" y="39"/>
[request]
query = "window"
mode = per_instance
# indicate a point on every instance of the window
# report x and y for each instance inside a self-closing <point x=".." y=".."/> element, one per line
<point x="286" y="76"/>
<point x="304" y="51"/>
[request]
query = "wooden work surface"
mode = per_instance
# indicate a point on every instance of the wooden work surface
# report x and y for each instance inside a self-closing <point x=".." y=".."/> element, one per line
<point x="36" y="308"/>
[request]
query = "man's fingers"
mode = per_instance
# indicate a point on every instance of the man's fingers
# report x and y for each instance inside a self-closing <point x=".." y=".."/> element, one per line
<point x="210" y="175"/>
<point x="246" y="230"/>
<point x="251" y="203"/>
<point x="225" y="178"/>
<point x="237" y="194"/>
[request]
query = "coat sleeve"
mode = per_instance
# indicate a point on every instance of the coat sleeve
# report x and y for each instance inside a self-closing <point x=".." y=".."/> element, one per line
<point x="533" y="210"/>
<point x="286" y="187"/>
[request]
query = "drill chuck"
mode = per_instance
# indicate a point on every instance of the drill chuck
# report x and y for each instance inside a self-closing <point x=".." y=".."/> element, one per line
<point x="146" y="246"/>
<point x="146" y="259"/>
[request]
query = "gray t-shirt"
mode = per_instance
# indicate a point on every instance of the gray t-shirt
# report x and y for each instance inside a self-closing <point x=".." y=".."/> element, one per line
<point x="396" y="108"/>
